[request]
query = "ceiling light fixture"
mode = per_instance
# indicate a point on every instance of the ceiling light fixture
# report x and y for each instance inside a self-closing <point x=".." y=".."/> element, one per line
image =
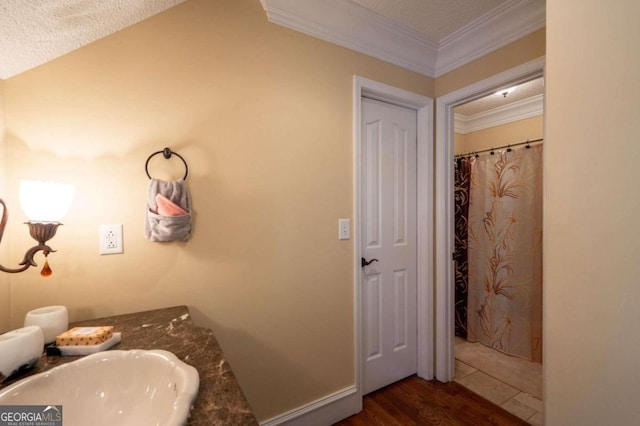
<point x="45" y="204"/>
<point x="505" y="92"/>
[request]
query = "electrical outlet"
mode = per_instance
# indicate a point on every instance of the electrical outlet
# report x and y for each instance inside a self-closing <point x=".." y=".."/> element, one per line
<point x="111" y="239"/>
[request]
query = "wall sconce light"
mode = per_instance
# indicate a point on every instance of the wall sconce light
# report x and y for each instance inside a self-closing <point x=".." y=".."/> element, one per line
<point x="44" y="203"/>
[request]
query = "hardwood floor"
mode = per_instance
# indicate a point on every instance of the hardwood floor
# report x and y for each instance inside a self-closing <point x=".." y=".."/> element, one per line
<point x="414" y="401"/>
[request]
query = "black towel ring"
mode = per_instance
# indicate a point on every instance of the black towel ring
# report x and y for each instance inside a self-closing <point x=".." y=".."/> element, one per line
<point x="167" y="154"/>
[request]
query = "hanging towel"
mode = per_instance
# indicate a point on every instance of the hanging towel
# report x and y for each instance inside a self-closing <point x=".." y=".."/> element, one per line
<point x="168" y="215"/>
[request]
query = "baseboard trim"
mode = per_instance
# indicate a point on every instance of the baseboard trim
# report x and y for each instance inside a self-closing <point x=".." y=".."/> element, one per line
<point x="324" y="411"/>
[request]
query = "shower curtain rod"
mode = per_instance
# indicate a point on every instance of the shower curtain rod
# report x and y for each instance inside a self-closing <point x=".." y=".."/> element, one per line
<point x="509" y="146"/>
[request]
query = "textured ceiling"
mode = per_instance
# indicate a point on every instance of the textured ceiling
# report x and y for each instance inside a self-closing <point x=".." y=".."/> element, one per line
<point x="523" y="91"/>
<point x="33" y="32"/>
<point x="434" y="18"/>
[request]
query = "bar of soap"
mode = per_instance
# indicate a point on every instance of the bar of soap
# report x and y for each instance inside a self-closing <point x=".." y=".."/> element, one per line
<point x="84" y="336"/>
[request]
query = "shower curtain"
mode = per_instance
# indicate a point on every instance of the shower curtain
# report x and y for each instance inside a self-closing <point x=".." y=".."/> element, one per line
<point x="504" y="243"/>
<point x="461" y="200"/>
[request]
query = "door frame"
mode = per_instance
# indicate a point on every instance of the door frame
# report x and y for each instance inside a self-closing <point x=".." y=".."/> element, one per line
<point x="444" y="204"/>
<point x="363" y="87"/>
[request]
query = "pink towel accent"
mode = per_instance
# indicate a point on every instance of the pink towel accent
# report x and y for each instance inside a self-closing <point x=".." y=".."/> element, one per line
<point x="168" y="208"/>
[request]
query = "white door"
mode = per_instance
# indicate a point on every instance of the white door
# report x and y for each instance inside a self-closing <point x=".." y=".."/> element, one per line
<point x="388" y="175"/>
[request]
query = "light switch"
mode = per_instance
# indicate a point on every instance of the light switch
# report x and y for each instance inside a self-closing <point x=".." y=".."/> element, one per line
<point x="344" y="231"/>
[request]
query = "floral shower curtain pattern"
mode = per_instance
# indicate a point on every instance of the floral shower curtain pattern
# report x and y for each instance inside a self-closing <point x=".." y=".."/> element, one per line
<point x="461" y="200"/>
<point x="504" y="304"/>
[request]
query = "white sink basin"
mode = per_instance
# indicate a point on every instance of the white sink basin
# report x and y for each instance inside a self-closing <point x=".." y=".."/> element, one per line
<point x="136" y="387"/>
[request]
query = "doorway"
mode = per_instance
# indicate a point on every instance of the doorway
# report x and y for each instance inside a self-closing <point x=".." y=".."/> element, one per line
<point x="423" y="107"/>
<point x="445" y="108"/>
<point x="444" y="207"/>
<point x="498" y="150"/>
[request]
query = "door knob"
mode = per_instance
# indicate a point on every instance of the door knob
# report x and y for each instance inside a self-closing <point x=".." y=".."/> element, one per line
<point x="364" y="262"/>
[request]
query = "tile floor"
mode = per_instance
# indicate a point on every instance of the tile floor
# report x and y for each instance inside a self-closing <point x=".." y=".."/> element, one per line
<point x="516" y="385"/>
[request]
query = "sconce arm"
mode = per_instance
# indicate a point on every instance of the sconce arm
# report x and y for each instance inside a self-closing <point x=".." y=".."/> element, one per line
<point x="28" y="258"/>
<point x="5" y="217"/>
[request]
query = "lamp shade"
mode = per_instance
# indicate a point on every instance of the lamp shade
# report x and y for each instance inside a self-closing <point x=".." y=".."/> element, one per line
<point x="45" y="201"/>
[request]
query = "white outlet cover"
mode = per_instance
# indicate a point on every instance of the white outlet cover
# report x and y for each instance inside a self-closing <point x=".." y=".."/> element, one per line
<point x="111" y="239"/>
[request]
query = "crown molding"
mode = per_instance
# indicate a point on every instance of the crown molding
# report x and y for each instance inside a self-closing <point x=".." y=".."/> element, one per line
<point x="503" y="25"/>
<point x="355" y="27"/>
<point x="350" y="25"/>
<point x="509" y="113"/>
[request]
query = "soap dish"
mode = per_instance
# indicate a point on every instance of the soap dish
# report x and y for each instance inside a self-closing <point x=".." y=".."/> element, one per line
<point x="84" y="350"/>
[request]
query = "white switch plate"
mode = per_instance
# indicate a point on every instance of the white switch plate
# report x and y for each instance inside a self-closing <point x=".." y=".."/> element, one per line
<point x="111" y="239"/>
<point x="344" y="231"/>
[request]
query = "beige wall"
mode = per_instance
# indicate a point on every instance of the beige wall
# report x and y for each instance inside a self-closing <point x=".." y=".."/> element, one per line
<point x="517" y="131"/>
<point x="5" y="299"/>
<point x="263" y="115"/>
<point x="510" y="56"/>
<point x="592" y="349"/>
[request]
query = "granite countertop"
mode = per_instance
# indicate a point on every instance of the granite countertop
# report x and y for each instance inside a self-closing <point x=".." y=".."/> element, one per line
<point x="220" y="399"/>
